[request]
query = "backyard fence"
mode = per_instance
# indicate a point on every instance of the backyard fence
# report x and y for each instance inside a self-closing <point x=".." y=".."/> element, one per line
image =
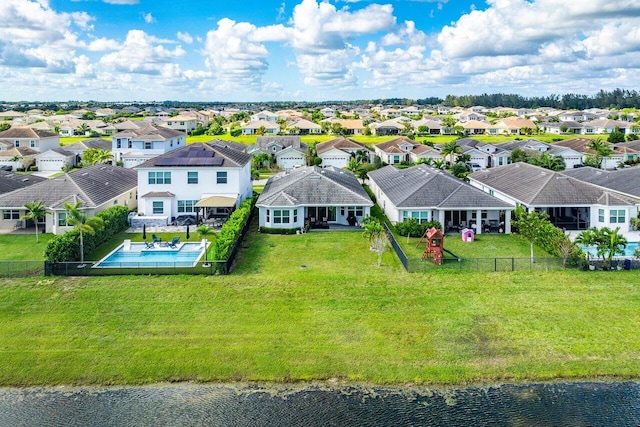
<point x="414" y="265"/>
<point x="11" y="269"/>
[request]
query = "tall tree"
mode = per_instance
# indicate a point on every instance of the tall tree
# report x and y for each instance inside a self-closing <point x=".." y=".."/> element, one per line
<point x="450" y="149"/>
<point x="601" y="149"/>
<point x="35" y="212"/>
<point x="83" y="224"/>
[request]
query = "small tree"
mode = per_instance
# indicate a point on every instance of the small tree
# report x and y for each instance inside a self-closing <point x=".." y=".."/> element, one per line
<point x="35" y="212"/>
<point x="529" y="225"/>
<point x="83" y="224"/>
<point x="379" y="243"/>
<point x="205" y="231"/>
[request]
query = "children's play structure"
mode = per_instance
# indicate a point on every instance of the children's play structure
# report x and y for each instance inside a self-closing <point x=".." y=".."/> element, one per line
<point x="467" y="235"/>
<point x="435" y="245"/>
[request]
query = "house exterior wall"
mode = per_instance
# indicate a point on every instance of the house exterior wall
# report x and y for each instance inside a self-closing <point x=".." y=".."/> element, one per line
<point x="238" y="184"/>
<point x="185" y="126"/>
<point x="122" y="144"/>
<point x="37" y="144"/>
<point x="296" y="215"/>
<point x="52" y="161"/>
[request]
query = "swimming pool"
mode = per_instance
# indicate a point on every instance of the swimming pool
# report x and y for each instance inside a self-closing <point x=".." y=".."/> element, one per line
<point x="628" y="251"/>
<point x="138" y="255"/>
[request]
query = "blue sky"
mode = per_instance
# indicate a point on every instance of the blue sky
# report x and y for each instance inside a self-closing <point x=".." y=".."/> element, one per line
<point x="314" y="50"/>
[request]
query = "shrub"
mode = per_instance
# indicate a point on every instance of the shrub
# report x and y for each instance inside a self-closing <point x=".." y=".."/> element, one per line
<point x="66" y="247"/>
<point x="230" y="231"/>
<point x="411" y="227"/>
<point x="269" y="230"/>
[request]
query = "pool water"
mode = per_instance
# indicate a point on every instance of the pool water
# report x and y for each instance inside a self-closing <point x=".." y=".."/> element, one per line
<point x="628" y="251"/>
<point x="138" y="255"/>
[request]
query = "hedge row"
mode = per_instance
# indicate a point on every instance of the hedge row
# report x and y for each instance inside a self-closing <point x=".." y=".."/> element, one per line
<point x="413" y="228"/>
<point x="66" y="247"/>
<point x="231" y="230"/>
<point x="270" y="230"/>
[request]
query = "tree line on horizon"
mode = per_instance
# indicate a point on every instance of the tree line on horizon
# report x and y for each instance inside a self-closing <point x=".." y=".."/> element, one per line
<point x="617" y="99"/>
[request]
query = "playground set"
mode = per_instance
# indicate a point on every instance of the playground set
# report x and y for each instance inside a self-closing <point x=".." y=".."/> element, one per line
<point x="434" y="240"/>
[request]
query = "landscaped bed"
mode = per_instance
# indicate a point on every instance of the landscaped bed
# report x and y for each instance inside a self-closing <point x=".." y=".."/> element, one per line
<point x="316" y="307"/>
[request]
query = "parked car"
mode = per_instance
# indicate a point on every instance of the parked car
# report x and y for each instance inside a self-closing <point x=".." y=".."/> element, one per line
<point x="6" y="168"/>
<point x="186" y="220"/>
<point x="473" y="167"/>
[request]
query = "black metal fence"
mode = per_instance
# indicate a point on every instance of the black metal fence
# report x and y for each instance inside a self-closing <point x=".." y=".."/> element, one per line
<point x="414" y="265"/>
<point x="11" y="269"/>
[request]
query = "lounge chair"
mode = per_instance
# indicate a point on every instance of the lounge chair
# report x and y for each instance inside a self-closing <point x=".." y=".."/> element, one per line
<point x="149" y="245"/>
<point x="156" y="239"/>
<point x="174" y="242"/>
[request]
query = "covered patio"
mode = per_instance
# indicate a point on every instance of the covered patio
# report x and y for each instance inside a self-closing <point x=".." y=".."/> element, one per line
<point x="215" y="210"/>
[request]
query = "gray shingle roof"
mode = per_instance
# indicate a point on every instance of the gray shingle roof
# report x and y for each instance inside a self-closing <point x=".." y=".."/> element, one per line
<point x="95" y="143"/>
<point x="10" y="181"/>
<point x="285" y="141"/>
<point x="425" y="187"/>
<point x="536" y="186"/>
<point x="340" y="143"/>
<point x="625" y="181"/>
<point x="93" y="185"/>
<point x="230" y="156"/>
<point x="311" y="186"/>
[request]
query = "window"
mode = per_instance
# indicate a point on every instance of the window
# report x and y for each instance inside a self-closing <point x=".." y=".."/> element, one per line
<point x="11" y="214"/>
<point x="129" y="144"/>
<point x="500" y="161"/>
<point x="17" y="144"/>
<point x="295" y="215"/>
<point x="158" y="208"/>
<point x="420" y="216"/>
<point x="221" y="177"/>
<point x="62" y="219"/>
<point x="351" y="211"/>
<point x="148" y="145"/>
<point x="600" y="215"/>
<point x="281" y="216"/>
<point x="185" y="206"/>
<point x="192" y="177"/>
<point x="616" y="216"/>
<point x="32" y="143"/>
<point x="159" y="177"/>
<point x="118" y="143"/>
<point x="268" y="215"/>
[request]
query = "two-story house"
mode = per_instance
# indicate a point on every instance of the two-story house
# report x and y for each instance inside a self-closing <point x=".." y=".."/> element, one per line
<point x="135" y="146"/>
<point x="203" y="180"/>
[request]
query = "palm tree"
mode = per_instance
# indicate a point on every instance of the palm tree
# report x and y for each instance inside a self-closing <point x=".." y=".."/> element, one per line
<point x="601" y="148"/>
<point x="611" y="243"/>
<point x="103" y="156"/>
<point x="205" y="231"/>
<point x="35" y="212"/>
<point x="83" y="129"/>
<point x="79" y="221"/>
<point x="450" y="148"/>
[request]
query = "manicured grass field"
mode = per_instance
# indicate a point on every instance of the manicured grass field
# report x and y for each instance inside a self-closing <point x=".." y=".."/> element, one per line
<point x="316" y="307"/>
<point x="23" y="247"/>
<point x="484" y="246"/>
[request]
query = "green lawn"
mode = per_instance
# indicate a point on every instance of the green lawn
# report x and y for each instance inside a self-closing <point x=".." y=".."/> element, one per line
<point x="484" y="246"/>
<point x="316" y="307"/>
<point x="23" y="247"/>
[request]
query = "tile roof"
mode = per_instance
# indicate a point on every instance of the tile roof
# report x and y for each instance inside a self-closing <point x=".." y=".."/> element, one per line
<point x="312" y="185"/>
<point x="150" y="132"/>
<point x="94" y="143"/>
<point x="536" y="186"/>
<point x="10" y="181"/>
<point x="340" y="143"/>
<point x="424" y="187"/>
<point x="625" y="181"/>
<point x="284" y="141"/>
<point x="25" y="132"/>
<point x="93" y="185"/>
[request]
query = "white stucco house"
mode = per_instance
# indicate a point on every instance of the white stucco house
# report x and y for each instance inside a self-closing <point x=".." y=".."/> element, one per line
<point x="203" y="180"/>
<point x="135" y="146"/>
<point x="313" y="197"/>
<point x="339" y="151"/>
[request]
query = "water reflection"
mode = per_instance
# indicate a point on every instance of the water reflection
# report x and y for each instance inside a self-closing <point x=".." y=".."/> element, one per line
<point x="557" y="404"/>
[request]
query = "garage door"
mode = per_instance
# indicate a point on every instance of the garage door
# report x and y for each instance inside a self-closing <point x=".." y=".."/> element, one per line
<point x="50" y="164"/>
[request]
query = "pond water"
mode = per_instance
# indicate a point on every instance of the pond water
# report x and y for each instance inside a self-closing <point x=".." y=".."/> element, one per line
<point x="561" y="404"/>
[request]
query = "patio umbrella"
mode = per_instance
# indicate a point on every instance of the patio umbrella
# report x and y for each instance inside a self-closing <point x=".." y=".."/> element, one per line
<point x="188" y="232"/>
<point x="144" y="231"/>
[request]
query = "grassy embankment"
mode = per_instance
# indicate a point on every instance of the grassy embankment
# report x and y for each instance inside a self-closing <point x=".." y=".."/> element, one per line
<point x="315" y="307"/>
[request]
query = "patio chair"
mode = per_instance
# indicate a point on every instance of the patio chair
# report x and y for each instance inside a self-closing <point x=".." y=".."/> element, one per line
<point x="149" y="245"/>
<point x="174" y="242"/>
<point x="155" y="239"/>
